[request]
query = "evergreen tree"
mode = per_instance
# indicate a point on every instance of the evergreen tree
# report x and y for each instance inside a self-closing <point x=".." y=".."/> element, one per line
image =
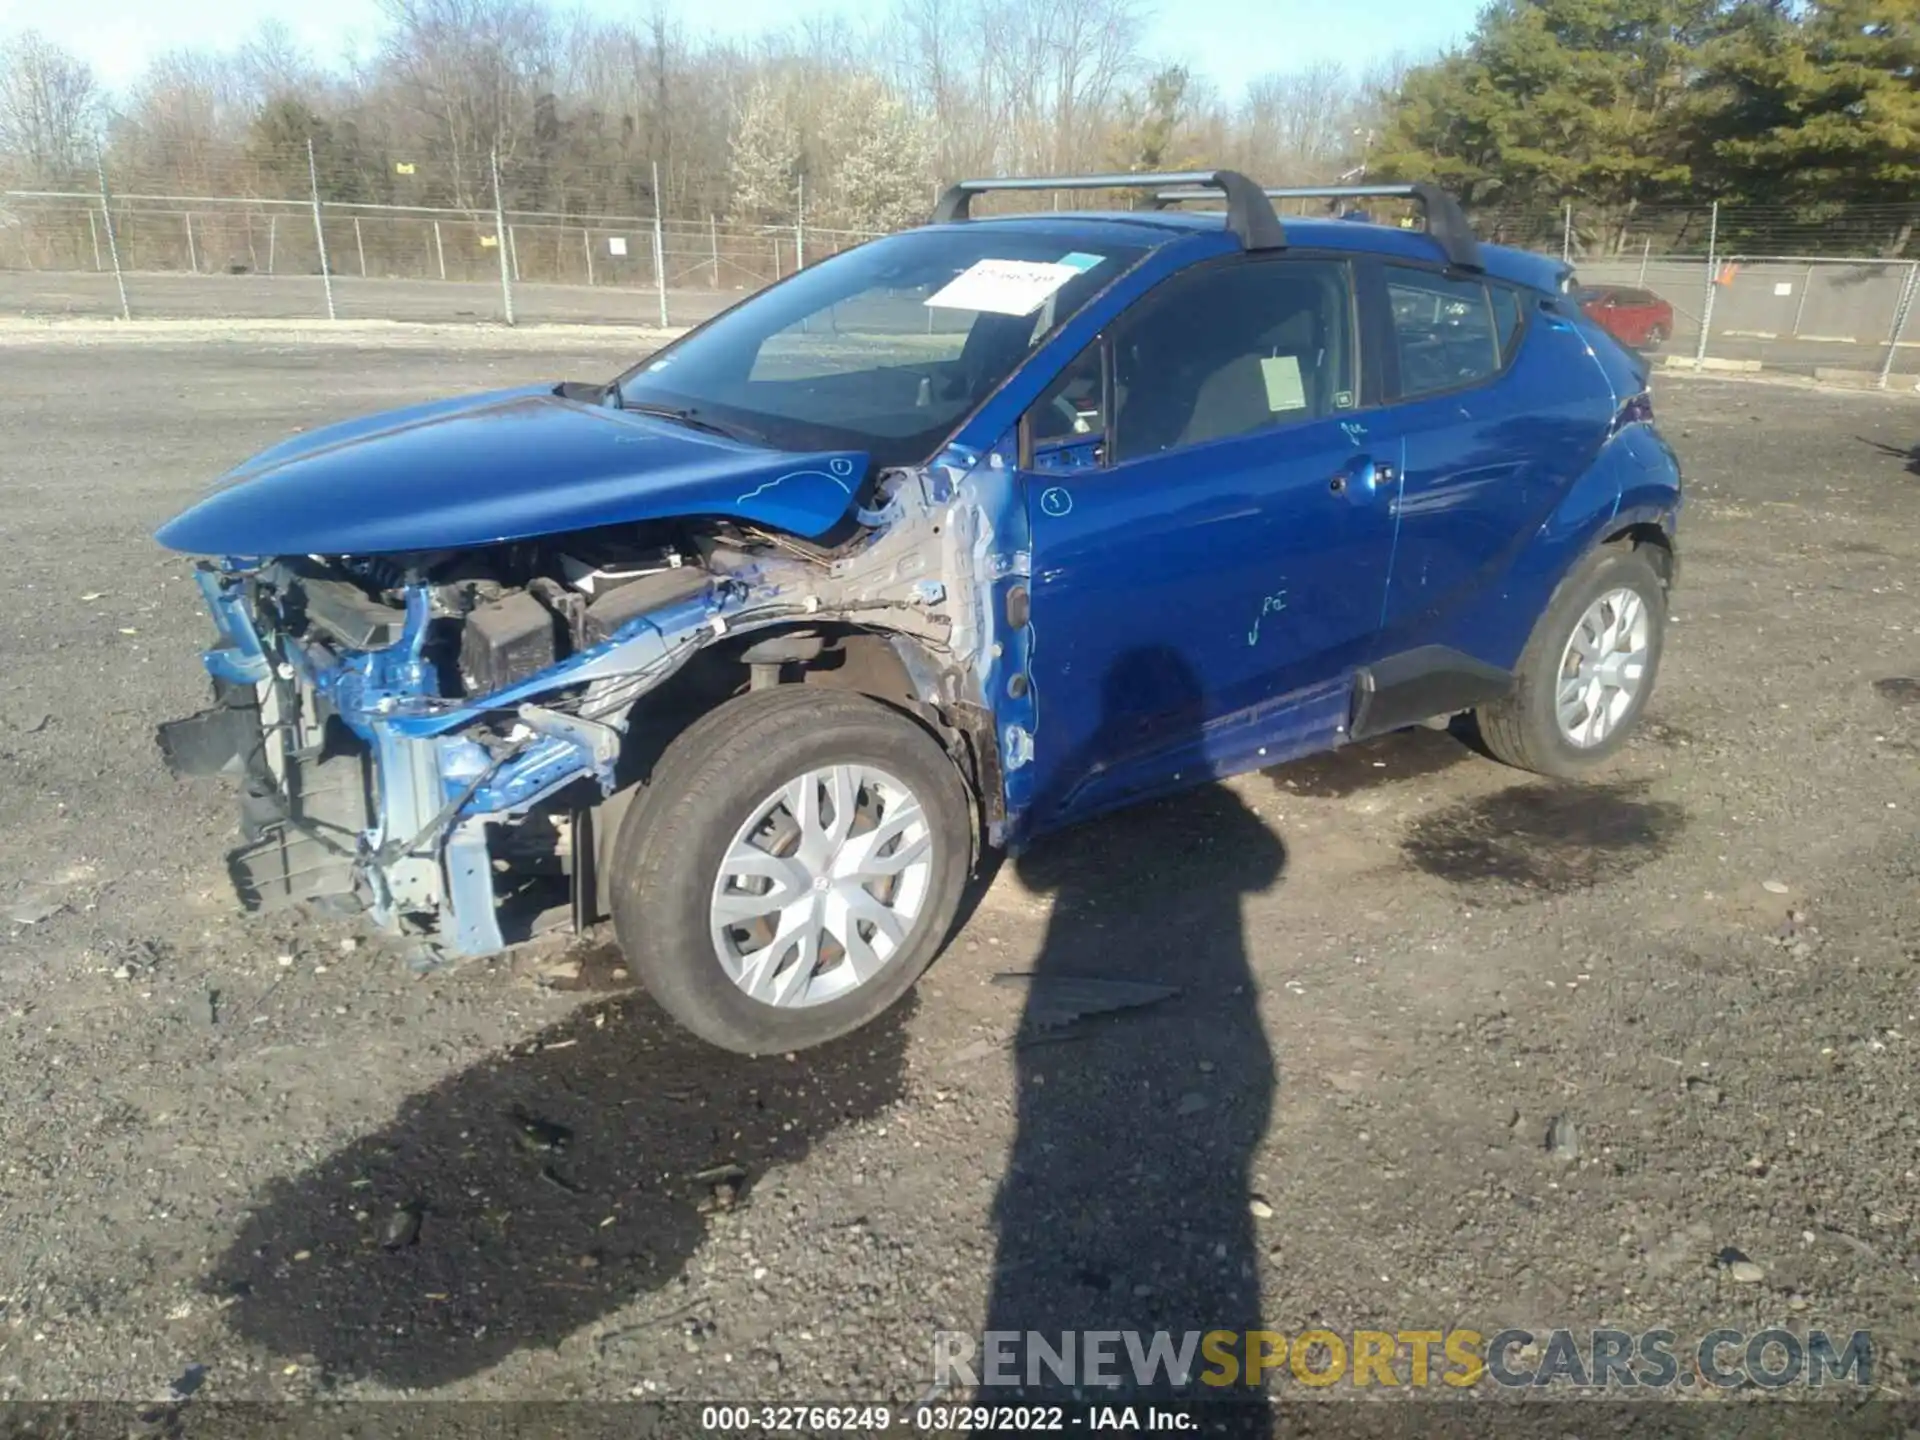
<point x="1554" y="100"/>
<point x="1816" y="105"/>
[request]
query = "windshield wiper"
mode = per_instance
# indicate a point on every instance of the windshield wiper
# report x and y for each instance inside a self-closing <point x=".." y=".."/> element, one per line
<point x="688" y="416"/>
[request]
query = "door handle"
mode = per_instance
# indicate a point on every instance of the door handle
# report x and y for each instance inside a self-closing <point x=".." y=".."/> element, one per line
<point x="1361" y="479"/>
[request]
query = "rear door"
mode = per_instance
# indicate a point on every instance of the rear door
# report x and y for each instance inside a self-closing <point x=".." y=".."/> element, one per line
<point x="1499" y="409"/>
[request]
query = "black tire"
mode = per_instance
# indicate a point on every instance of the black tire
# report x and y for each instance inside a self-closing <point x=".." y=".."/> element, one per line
<point x="667" y="857"/>
<point x="1523" y="729"/>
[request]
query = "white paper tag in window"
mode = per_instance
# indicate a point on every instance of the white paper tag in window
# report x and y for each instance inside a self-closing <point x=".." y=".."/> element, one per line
<point x="1284" y="388"/>
<point x="1003" y="287"/>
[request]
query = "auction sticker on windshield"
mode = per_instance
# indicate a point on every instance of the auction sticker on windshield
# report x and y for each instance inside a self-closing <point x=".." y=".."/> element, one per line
<point x="1003" y="287"/>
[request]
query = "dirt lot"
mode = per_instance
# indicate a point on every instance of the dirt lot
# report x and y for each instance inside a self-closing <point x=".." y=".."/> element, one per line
<point x="1396" y="967"/>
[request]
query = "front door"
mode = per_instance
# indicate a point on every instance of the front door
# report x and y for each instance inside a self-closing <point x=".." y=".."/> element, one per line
<point x="1212" y="524"/>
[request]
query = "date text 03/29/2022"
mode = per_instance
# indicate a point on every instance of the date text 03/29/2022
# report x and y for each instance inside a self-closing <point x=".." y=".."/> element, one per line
<point x="933" y="1419"/>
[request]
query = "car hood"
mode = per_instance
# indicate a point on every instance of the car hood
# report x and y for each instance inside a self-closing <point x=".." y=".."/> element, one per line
<point x="507" y="465"/>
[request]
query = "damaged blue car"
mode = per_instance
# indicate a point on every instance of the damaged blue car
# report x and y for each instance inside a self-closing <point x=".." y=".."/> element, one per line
<point x="948" y="541"/>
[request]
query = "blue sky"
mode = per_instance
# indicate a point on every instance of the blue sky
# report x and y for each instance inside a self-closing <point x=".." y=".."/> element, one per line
<point x="1228" y="40"/>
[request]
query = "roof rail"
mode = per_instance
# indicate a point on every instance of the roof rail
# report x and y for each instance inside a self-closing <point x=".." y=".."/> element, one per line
<point x="1446" y="222"/>
<point x="1249" y="213"/>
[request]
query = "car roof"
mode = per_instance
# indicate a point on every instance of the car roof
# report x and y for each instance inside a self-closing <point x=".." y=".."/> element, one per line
<point x="1154" y="228"/>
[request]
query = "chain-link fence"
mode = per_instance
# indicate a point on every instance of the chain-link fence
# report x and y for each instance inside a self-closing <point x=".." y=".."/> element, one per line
<point x="1717" y="287"/>
<point x="105" y="252"/>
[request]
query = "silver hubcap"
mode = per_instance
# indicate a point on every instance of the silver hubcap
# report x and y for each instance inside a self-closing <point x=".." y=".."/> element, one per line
<point x="1603" y="667"/>
<point x="822" y="885"/>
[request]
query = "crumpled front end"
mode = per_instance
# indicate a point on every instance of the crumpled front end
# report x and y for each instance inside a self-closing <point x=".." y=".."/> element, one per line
<point x="375" y="780"/>
<point x="425" y="738"/>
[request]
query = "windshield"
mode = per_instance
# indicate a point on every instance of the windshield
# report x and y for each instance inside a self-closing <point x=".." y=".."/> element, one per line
<point x="884" y="348"/>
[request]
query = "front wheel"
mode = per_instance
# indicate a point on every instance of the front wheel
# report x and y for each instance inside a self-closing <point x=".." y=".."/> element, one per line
<point x="794" y="865"/>
<point x="1587" y="671"/>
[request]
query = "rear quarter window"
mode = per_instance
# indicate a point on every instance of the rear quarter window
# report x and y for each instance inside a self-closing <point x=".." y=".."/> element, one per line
<point x="1509" y="317"/>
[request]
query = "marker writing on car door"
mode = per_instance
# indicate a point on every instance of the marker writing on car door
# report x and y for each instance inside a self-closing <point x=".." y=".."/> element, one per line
<point x="1272" y="605"/>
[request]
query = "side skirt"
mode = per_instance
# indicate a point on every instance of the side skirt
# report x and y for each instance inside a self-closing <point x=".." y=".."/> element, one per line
<point x="1419" y="684"/>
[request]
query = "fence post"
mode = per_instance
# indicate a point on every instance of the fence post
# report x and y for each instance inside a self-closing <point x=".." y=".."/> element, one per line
<point x="439" y="250"/>
<point x="713" y="241"/>
<point x="360" y="247"/>
<point x="1566" y="235"/>
<point x="586" y="243"/>
<point x="1646" y="254"/>
<point x="776" y="257"/>
<point x="500" y="235"/>
<point x="513" y="253"/>
<point x="800" y="225"/>
<point x="273" y="232"/>
<point x="319" y="230"/>
<point x="1801" y="308"/>
<point x="659" y="249"/>
<point x="113" y="243"/>
<point x="1900" y="322"/>
<point x="193" y="255"/>
<point x="93" y="229"/>
<point x="1713" y="277"/>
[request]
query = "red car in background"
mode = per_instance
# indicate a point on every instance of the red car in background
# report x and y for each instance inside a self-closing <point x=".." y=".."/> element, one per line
<point x="1638" y="319"/>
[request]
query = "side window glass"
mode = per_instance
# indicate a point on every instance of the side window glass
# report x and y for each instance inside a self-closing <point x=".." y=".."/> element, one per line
<point x="1072" y="408"/>
<point x="1507" y="315"/>
<point x="1446" y="331"/>
<point x="1233" y="350"/>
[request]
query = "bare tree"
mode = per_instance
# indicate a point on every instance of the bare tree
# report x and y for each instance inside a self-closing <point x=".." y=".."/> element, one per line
<point x="1299" y="126"/>
<point x="582" y="109"/>
<point x="183" y="128"/>
<point x="271" y="64"/>
<point x="470" y="71"/>
<point x="49" y="109"/>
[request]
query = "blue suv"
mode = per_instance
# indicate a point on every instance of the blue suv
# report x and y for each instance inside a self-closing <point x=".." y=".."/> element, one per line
<point x="951" y="540"/>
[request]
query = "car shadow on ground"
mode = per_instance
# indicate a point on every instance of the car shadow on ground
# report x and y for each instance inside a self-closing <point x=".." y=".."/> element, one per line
<point x="534" y="1193"/>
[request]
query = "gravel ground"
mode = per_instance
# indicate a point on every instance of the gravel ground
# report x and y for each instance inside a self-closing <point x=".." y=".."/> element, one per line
<point x="259" y="1146"/>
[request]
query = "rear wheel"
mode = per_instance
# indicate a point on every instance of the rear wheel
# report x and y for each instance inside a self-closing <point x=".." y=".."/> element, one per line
<point x="1656" y="337"/>
<point x="1587" y="671"/>
<point x="792" y="868"/>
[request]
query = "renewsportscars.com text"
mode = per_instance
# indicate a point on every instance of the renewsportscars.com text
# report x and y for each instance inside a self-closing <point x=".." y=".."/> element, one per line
<point x="1458" y="1359"/>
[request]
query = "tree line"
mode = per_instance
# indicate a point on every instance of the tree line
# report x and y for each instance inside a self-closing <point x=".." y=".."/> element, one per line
<point x="1808" y="107"/>
<point x="1619" y="107"/>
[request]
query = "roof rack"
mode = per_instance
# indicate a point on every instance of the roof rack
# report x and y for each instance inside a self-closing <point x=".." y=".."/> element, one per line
<point x="1249" y="212"/>
<point x="1446" y="222"/>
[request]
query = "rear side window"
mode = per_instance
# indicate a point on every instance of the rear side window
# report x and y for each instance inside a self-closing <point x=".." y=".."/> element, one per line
<point x="1507" y="316"/>
<point x="1447" y="331"/>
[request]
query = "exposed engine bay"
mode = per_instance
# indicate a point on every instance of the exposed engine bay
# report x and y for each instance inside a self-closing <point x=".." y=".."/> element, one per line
<point x="501" y="615"/>
<point x="420" y="731"/>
